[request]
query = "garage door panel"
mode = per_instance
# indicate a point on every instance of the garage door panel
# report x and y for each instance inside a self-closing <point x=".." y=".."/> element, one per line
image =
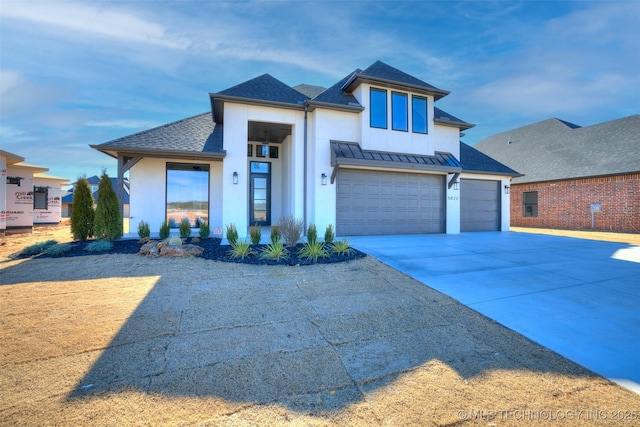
<point x="479" y="205"/>
<point x="394" y="203"/>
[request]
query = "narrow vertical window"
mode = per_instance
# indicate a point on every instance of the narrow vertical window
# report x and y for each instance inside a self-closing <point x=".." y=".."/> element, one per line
<point x="378" y="108"/>
<point x="41" y="198"/>
<point x="400" y="111"/>
<point x="187" y="193"/>
<point x="419" y="114"/>
<point x="530" y="204"/>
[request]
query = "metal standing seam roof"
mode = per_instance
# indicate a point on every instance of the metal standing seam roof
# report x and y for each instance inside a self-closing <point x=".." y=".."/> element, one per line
<point x="554" y="149"/>
<point x="350" y="153"/>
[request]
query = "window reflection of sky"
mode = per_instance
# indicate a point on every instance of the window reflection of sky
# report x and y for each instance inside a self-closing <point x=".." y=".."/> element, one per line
<point x="187" y="186"/>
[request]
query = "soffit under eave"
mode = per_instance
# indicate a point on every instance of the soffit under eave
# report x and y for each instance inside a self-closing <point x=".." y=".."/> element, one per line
<point x="217" y="104"/>
<point x="459" y="125"/>
<point x="187" y="155"/>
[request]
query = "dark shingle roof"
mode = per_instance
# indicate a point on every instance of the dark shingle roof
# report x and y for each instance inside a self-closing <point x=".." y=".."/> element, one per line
<point x="444" y="118"/>
<point x="382" y="74"/>
<point x="195" y="134"/>
<point x="335" y="95"/>
<point x="266" y="88"/>
<point x="350" y="153"/>
<point x="475" y="161"/>
<point x="309" y="90"/>
<point x="553" y="149"/>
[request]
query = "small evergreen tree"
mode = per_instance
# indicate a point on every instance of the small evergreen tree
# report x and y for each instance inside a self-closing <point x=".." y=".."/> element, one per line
<point x="108" y="222"/>
<point x="82" y="215"/>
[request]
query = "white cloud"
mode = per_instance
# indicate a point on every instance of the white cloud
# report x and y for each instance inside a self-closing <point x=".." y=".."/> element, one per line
<point x="122" y="124"/>
<point x="111" y="23"/>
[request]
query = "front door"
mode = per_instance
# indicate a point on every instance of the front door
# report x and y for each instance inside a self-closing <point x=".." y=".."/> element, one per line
<point x="260" y="203"/>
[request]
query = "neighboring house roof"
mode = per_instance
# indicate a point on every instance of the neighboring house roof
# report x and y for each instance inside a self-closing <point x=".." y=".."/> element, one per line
<point x="95" y="180"/>
<point x="350" y="153"/>
<point x="477" y="162"/>
<point x="51" y="177"/>
<point x="11" y="158"/>
<point x="193" y="137"/>
<point x="554" y="149"/>
<point x="28" y="166"/>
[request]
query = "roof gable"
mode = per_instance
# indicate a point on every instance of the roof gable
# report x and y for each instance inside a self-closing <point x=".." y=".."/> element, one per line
<point x="266" y="88"/>
<point x="554" y="149"/>
<point x="385" y="75"/>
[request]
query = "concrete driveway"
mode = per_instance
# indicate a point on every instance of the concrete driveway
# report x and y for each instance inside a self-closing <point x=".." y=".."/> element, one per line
<point x="580" y="298"/>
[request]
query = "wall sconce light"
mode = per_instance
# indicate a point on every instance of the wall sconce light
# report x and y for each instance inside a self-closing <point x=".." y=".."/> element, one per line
<point x="506" y="189"/>
<point x="235" y="177"/>
<point x="455" y="185"/>
<point x="324" y="178"/>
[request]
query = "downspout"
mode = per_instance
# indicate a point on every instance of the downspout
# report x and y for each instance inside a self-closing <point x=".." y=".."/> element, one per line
<point x="304" y="180"/>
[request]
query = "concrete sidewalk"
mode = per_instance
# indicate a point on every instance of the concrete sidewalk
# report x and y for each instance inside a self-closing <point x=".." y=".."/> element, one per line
<point x="579" y="298"/>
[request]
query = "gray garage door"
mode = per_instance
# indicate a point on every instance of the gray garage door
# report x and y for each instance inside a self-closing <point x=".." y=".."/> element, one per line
<point x="373" y="203"/>
<point x="479" y="205"/>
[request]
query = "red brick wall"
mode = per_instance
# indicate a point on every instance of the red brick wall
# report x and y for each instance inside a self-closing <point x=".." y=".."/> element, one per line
<point x="567" y="204"/>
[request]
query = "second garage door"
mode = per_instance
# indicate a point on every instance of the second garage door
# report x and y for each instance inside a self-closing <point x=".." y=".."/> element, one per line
<point x="479" y="205"/>
<point x="374" y="203"/>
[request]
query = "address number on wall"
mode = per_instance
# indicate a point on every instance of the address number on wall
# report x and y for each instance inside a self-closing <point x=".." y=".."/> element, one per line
<point x="453" y="197"/>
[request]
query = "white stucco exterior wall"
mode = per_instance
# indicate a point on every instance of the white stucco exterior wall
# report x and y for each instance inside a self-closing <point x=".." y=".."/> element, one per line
<point x="452" y="202"/>
<point x="447" y="139"/>
<point x="394" y="140"/>
<point x="148" y="180"/>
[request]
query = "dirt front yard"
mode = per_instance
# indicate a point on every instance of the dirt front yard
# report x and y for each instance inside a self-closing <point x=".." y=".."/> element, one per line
<point x="127" y="340"/>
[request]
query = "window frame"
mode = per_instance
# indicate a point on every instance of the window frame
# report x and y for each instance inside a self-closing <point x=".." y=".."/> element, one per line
<point x="40" y="190"/>
<point x="177" y="166"/>
<point x="530" y="209"/>
<point x="373" y="111"/>
<point x="413" y="114"/>
<point x="405" y="125"/>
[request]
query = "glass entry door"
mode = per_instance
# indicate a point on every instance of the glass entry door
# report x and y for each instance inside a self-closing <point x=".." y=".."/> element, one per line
<point x="260" y="202"/>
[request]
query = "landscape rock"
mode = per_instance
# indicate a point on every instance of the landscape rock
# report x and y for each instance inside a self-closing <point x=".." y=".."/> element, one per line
<point x="150" y="249"/>
<point x="181" y="251"/>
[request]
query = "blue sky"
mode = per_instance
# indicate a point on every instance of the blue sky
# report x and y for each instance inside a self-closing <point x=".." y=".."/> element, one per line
<point x="74" y="73"/>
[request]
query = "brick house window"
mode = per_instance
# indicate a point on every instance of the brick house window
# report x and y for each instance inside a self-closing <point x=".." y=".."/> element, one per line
<point x="530" y="204"/>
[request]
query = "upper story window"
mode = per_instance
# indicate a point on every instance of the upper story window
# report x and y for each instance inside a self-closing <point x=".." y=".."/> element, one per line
<point x="419" y="117"/>
<point x="399" y="112"/>
<point x="378" y="108"/>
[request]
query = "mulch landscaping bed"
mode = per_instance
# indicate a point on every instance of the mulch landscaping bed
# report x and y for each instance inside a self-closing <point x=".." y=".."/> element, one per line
<point x="213" y="250"/>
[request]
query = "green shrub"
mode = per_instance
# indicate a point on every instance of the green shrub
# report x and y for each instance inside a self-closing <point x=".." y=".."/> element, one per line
<point x="143" y="230"/>
<point x="108" y="221"/>
<point x="232" y="234"/>
<point x="256" y="234"/>
<point x="99" y="246"/>
<point x="329" y="235"/>
<point x="312" y="234"/>
<point x="165" y="229"/>
<point x="313" y="251"/>
<point x="275" y="234"/>
<point x="204" y="229"/>
<point x="241" y="249"/>
<point x="173" y="241"/>
<point x="185" y="228"/>
<point x="341" y="247"/>
<point x="274" y="251"/>
<point x="291" y="229"/>
<point x="37" y="248"/>
<point x="82" y="214"/>
<point x="58" y="249"/>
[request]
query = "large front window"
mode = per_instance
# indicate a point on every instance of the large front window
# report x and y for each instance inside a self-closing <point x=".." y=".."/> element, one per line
<point x="378" y="108"/>
<point x="187" y="193"/>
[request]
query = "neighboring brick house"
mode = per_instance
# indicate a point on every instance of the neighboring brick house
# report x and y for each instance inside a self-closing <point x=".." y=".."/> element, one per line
<point x="370" y="155"/>
<point x="570" y="171"/>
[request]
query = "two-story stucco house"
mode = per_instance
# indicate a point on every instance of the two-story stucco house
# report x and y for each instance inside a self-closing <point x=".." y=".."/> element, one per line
<point x="369" y="155"/>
